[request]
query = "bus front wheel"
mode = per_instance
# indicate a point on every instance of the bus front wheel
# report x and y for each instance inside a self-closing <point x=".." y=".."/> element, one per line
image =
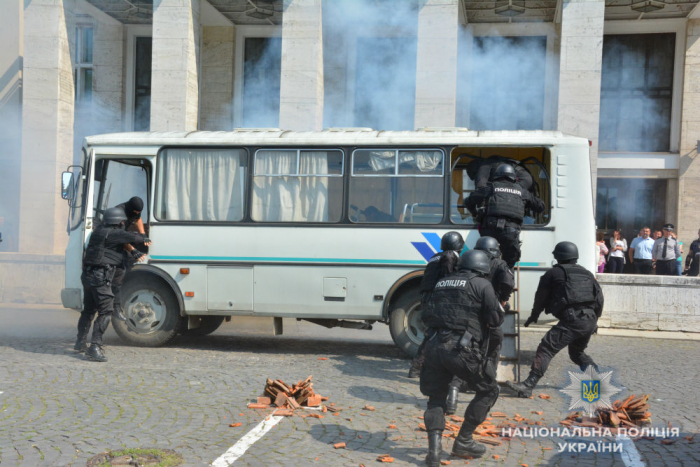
<point x="151" y="310"/>
<point x="405" y="322"/>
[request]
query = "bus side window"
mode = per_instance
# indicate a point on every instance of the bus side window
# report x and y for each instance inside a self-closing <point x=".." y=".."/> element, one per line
<point x="397" y="186"/>
<point x="122" y="181"/>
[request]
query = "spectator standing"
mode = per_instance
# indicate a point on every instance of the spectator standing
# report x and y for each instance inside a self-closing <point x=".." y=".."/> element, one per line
<point x="640" y="252"/>
<point x="657" y="234"/>
<point x="665" y="252"/>
<point x="601" y="250"/>
<point x="694" y="250"/>
<point x="616" y="259"/>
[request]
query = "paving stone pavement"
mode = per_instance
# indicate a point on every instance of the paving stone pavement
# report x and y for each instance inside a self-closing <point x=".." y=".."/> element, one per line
<point x="59" y="409"/>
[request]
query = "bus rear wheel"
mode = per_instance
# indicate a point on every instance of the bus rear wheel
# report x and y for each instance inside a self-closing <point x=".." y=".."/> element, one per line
<point x="151" y="310"/>
<point x="405" y="324"/>
<point x="207" y="325"/>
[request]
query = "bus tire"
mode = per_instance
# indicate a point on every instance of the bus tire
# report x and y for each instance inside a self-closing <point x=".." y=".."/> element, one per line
<point x="405" y="322"/>
<point x="207" y="325"/>
<point x="152" y="312"/>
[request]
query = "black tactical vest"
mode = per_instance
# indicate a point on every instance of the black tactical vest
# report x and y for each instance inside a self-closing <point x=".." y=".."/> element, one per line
<point x="455" y="304"/>
<point x="578" y="292"/>
<point x="98" y="254"/>
<point x="506" y="201"/>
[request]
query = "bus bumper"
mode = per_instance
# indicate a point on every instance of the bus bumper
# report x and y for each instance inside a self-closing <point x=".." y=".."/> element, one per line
<point x="72" y="298"/>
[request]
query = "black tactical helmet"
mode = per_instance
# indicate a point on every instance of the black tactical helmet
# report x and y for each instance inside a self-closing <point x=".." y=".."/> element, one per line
<point x="489" y="245"/>
<point x="114" y="216"/>
<point x="565" y="251"/>
<point x="475" y="260"/>
<point x="452" y="241"/>
<point x="505" y="170"/>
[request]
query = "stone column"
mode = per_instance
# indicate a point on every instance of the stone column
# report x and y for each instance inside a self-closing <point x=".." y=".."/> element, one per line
<point x="580" y="68"/>
<point x="689" y="173"/>
<point x="174" y="78"/>
<point x="301" y="87"/>
<point x="436" y="64"/>
<point x="108" y="71"/>
<point x="217" y="78"/>
<point x="47" y="130"/>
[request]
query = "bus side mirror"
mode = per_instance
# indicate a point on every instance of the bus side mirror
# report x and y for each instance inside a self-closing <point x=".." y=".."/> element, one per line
<point x="67" y="185"/>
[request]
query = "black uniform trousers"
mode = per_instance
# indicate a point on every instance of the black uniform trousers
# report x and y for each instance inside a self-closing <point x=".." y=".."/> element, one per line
<point x="666" y="267"/>
<point x="117" y="282"/>
<point x="99" y="299"/>
<point x="494" y="353"/>
<point x="573" y="330"/>
<point x="508" y="238"/>
<point x="444" y="360"/>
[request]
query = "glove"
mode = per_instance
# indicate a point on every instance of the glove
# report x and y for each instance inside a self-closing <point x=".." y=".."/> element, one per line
<point x="146" y="240"/>
<point x="137" y="255"/>
<point x="530" y="320"/>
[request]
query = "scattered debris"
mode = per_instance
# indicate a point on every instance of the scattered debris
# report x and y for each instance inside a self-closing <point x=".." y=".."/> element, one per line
<point x="339" y="445"/>
<point x="323" y="358"/>
<point x="368" y="407"/>
<point x="544" y="396"/>
<point x="386" y="458"/>
<point x="289" y="398"/>
<point x="629" y="413"/>
<point x="234" y="425"/>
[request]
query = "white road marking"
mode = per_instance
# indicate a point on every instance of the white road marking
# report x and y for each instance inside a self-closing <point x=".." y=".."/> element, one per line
<point x="630" y="455"/>
<point x="238" y="449"/>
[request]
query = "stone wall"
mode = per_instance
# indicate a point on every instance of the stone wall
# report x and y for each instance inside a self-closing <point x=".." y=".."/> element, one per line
<point x="663" y="303"/>
<point x="31" y="278"/>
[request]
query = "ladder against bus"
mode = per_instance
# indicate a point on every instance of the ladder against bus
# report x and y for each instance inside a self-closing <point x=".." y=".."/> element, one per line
<point x="509" y="359"/>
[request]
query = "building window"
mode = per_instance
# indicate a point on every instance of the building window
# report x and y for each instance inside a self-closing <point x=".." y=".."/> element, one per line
<point x="82" y="71"/>
<point x="385" y="82"/>
<point x="507" y="83"/>
<point x="142" y="84"/>
<point x="629" y="204"/>
<point x="636" y="92"/>
<point x="262" y="74"/>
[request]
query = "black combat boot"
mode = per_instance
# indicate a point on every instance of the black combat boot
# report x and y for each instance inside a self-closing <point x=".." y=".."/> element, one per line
<point x="465" y="446"/>
<point x="95" y="353"/>
<point x="80" y="345"/>
<point x="451" y="407"/>
<point x="434" y="448"/>
<point x="525" y="388"/>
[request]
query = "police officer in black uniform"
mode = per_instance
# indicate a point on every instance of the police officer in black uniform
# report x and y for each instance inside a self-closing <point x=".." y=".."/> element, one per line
<point x="572" y="294"/>
<point x="460" y="313"/>
<point x="503" y="282"/>
<point x="500" y="209"/>
<point x="441" y="264"/>
<point x="105" y="251"/>
<point x="132" y="209"/>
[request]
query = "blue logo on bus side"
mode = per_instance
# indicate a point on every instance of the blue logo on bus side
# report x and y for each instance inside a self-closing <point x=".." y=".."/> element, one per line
<point x="427" y="250"/>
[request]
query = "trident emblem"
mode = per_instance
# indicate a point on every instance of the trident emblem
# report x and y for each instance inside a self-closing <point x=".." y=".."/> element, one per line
<point x="590" y="390"/>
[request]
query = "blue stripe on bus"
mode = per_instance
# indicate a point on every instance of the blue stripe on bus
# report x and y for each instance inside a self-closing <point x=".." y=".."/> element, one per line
<point x="531" y="265"/>
<point x="434" y="240"/>
<point x="424" y="250"/>
<point x="290" y="260"/>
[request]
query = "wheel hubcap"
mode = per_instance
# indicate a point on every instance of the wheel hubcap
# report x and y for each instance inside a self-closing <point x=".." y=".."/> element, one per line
<point x="415" y="329"/>
<point x="145" y="311"/>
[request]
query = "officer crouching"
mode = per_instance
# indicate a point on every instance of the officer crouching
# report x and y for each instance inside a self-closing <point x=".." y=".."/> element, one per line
<point x="105" y="251"/>
<point x="570" y="293"/>
<point x="462" y="309"/>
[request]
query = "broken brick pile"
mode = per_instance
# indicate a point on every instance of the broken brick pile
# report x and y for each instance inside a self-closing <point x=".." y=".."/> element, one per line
<point x="290" y="398"/>
<point x="629" y="413"/>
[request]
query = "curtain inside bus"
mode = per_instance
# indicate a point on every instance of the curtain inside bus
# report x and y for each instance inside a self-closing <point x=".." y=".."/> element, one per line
<point x="202" y="184"/>
<point x="280" y="195"/>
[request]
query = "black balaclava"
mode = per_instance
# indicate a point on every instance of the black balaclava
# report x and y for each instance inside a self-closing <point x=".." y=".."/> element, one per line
<point x="133" y="205"/>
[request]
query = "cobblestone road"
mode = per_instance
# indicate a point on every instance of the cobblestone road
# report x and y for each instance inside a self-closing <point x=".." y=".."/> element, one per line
<point x="58" y="409"/>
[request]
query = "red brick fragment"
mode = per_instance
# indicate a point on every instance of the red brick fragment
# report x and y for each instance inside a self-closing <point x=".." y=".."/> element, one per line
<point x="313" y="401"/>
<point x="315" y="415"/>
<point x="339" y="445"/>
<point x="322" y="358"/>
<point x="368" y="407"/>
<point x="264" y="400"/>
<point x="544" y="396"/>
<point x="257" y="406"/>
<point x="234" y="425"/>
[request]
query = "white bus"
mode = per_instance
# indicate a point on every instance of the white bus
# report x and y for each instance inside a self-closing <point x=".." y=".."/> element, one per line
<point x="334" y="227"/>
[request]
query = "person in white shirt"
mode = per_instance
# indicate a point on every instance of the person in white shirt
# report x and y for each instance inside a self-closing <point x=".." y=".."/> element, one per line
<point x="616" y="259"/>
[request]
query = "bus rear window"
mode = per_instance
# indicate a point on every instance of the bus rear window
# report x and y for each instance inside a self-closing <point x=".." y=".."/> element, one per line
<point x="296" y="185"/>
<point x="397" y="186"/>
<point x="201" y="184"/>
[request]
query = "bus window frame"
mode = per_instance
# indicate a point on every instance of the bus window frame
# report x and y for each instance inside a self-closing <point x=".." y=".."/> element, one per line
<point x="146" y="163"/>
<point x="397" y="163"/>
<point x="156" y="198"/>
<point x="299" y="151"/>
<point x="546" y="226"/>
<point x="85" y="181"/>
